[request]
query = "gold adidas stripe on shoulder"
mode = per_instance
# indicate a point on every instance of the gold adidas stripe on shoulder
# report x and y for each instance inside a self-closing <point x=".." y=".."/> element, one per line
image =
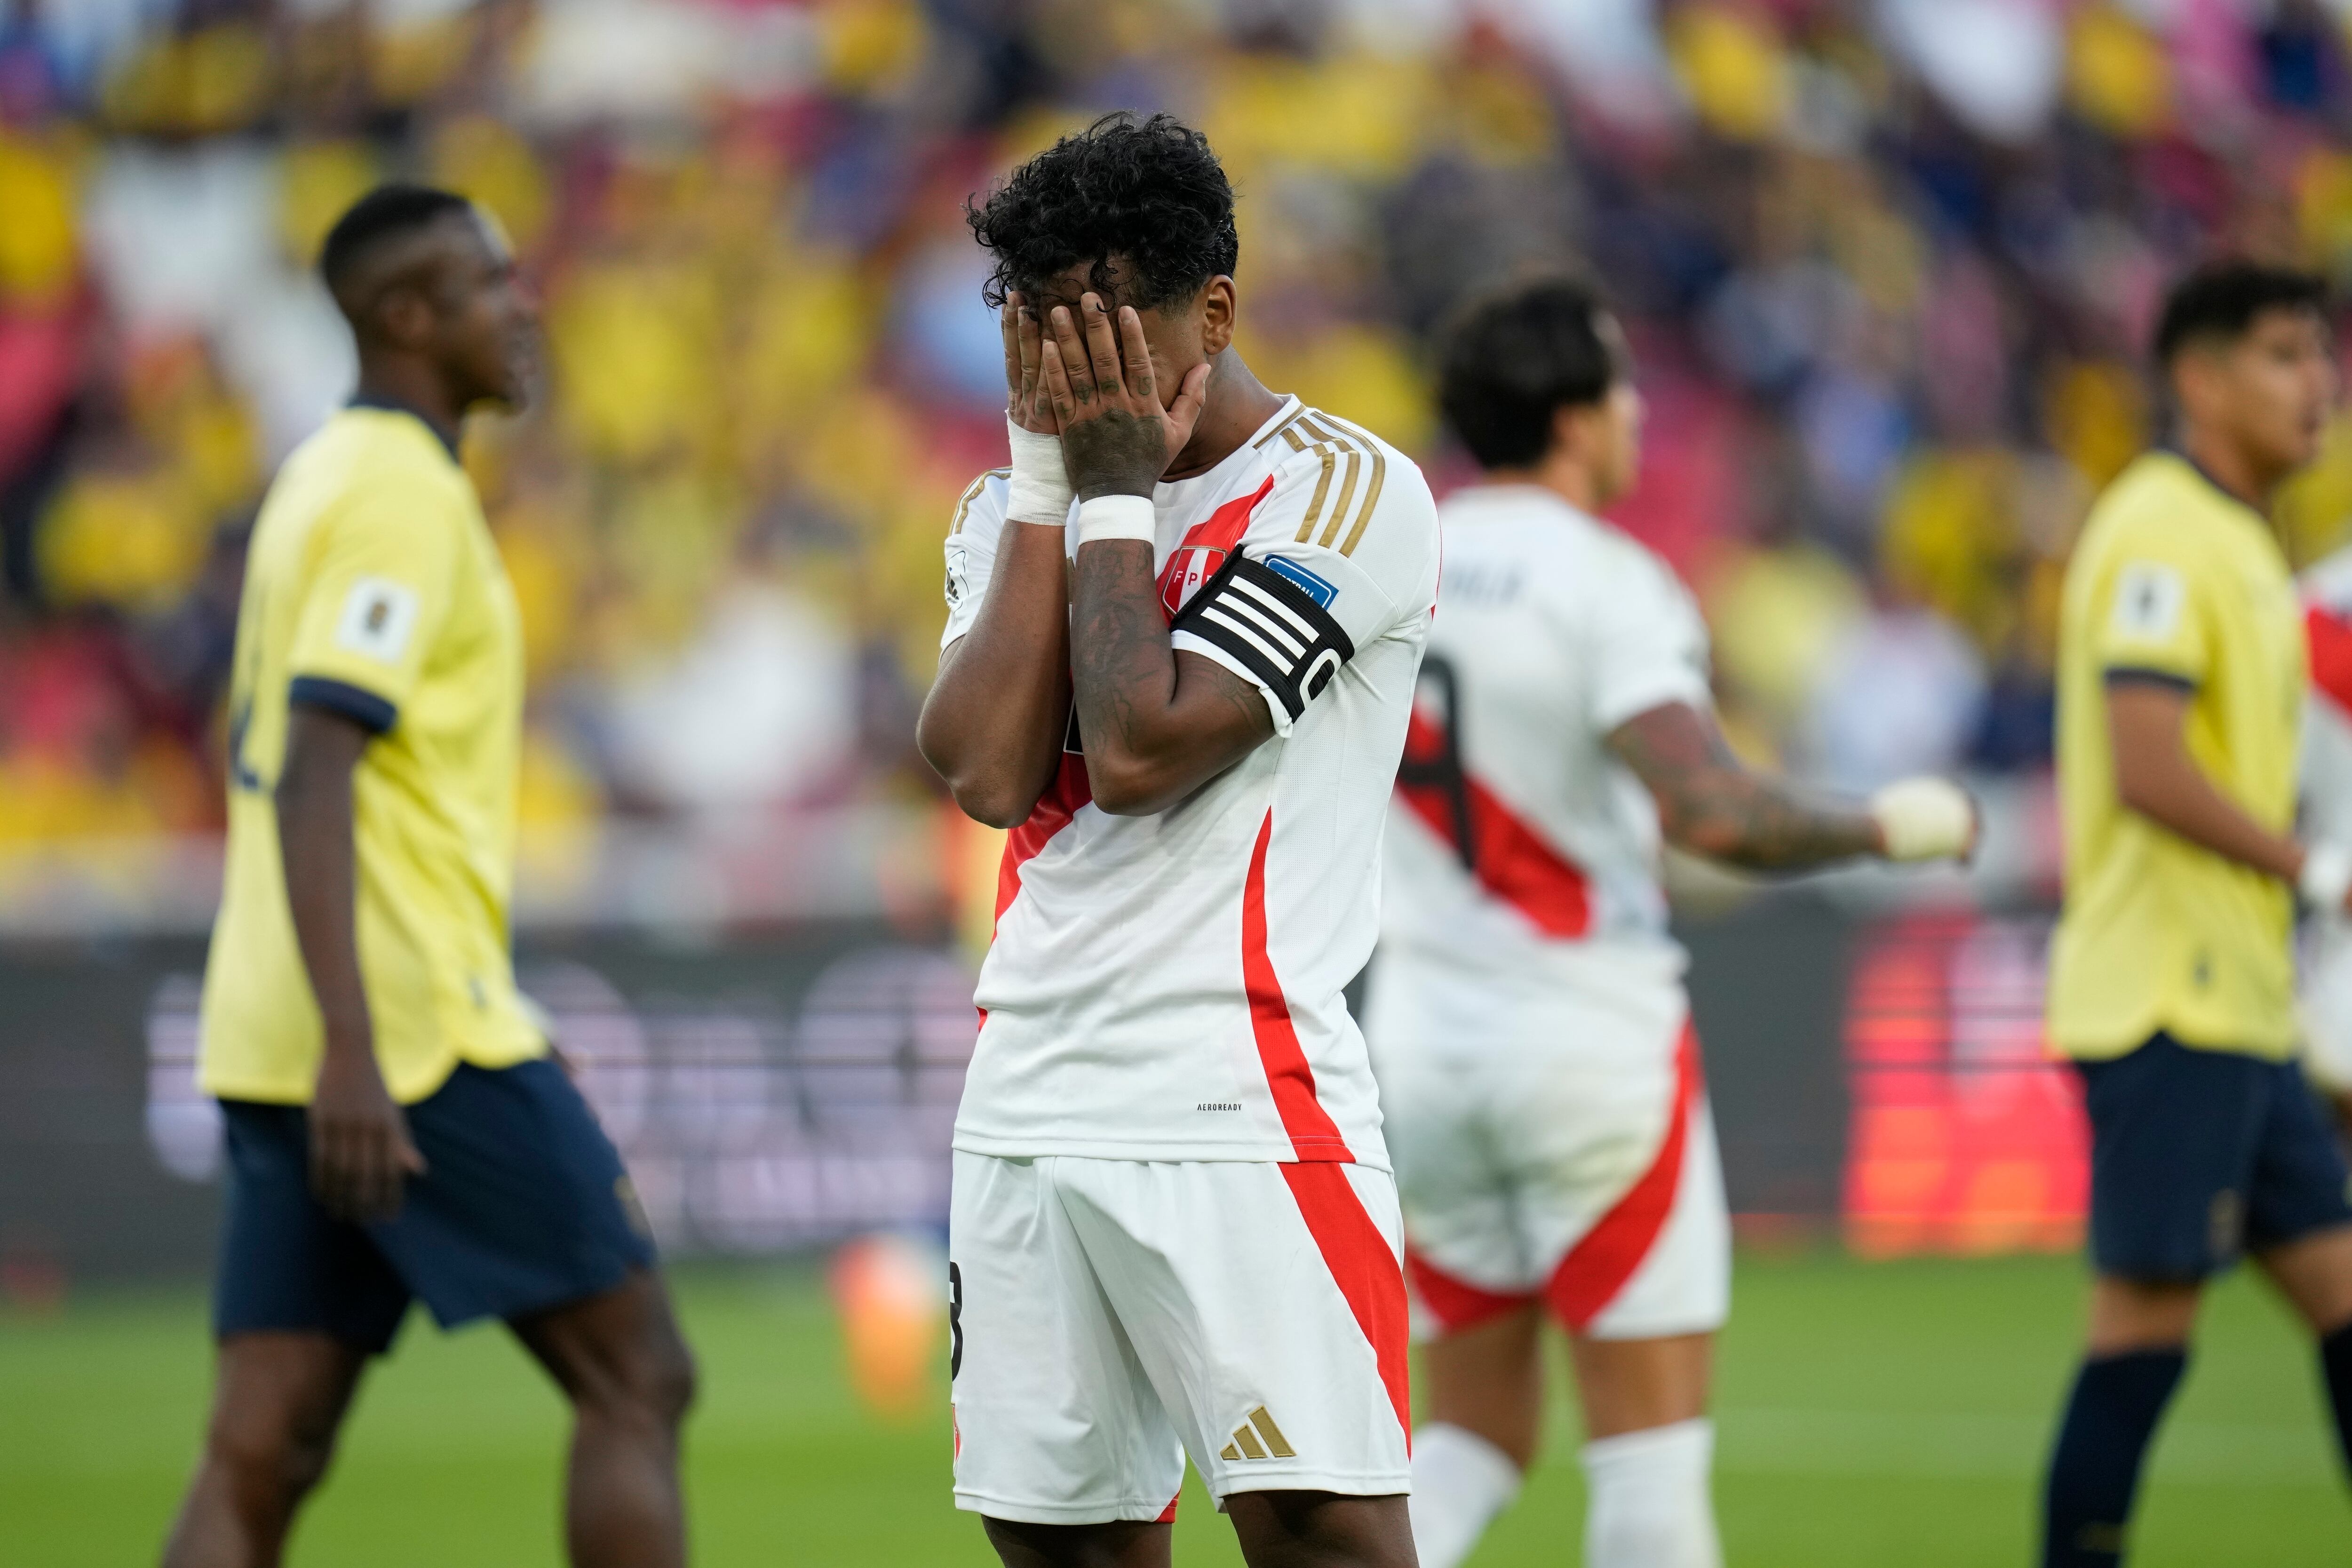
<point x="1338" y="439"/>
<point x="971" y="494"/>
<point x="1284" y="429"/>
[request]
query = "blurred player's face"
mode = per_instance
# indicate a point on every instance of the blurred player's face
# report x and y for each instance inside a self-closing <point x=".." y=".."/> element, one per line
<point x="1181" y="333"/>
<point x="2266" y="394"/>
<point x="1604" y="439"/>
<point x="485" y="335"/>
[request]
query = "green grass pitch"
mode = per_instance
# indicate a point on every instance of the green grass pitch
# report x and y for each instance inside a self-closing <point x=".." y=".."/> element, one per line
<point x="1870" y="1414"/>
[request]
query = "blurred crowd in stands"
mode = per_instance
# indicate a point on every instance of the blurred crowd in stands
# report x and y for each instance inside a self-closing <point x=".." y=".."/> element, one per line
<point x="1887" y="264"/>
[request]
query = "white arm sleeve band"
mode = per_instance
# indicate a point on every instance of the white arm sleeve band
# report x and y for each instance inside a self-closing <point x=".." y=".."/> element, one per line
<point x="1040" y="485"/>
<point x="1116" y="517"/>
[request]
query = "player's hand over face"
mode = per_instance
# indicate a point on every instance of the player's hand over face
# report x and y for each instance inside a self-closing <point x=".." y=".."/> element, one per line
<point x="1025" y="403"/>
<point x="1116" y="439"/>
<point x="360" y="1153"/>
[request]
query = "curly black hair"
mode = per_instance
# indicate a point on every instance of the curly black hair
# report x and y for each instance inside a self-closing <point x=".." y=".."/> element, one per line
<point x="1149" y="192"/>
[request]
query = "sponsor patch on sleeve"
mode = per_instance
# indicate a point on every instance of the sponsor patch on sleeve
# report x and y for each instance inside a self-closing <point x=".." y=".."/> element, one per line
<point x="378" y="616"/>
<point x="2149" y="599"/>
<point x="1314" y="587"/>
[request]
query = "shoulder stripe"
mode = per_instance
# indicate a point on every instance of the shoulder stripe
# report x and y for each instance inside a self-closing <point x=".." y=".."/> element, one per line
<point x="1371" y="500"/>
<point x="1347" y="495"/>
<point x="971" y="494"/>
<point x="1356" y="435"/>
<point x="1315" y="502"/>
<point x="1284" y="428"/>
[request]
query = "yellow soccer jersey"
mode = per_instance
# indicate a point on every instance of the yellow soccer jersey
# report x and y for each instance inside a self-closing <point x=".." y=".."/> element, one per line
<point x="374" y="588"/>
<point x="2175" y="580"/>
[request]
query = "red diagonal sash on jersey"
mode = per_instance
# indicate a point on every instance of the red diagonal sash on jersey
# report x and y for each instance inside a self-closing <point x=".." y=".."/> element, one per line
<point x="1071" y="789"/>
<point x="1313" y="1134"/>
<point x="1600" y="1264"/>
<point x="1514" y="863"/>
<point x="2330" y="637"/>
<point x="1205" y="547"/>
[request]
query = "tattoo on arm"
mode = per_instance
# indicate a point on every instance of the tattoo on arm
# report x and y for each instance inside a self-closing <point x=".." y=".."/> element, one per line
<point x="1155" y="724"/>
<point x="1115" y="453"/>
<point x="1120" y="656"/>
<point x="1710" y="804"/>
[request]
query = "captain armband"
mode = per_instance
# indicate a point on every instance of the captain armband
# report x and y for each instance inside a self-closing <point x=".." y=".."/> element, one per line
<point x="1271" y="619"/>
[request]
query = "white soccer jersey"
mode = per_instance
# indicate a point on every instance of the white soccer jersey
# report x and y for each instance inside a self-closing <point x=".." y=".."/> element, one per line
<point x="1553" y="630"/>
<point x="2327" y="811"/>
<point x="1169" y="987"/>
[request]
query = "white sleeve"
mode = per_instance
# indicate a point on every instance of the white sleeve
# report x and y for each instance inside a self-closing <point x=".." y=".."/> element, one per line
<point x="972" y="533"/>
<point x="1645" y="643"/>
<point x="1326" y="568"/>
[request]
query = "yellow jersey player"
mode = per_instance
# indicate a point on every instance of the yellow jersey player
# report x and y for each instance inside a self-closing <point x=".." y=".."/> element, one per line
<point x="396" y="1125"/>
<point x="2180" y="691"/>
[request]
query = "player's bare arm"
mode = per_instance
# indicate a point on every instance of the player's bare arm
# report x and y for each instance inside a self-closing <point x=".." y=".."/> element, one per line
<point x="1155" y="724"/>
<point x="994" y="723"/>
<point x="2156" y="776"/>
<point x="1713" y="805"/>
<point x="360" y="1147"/>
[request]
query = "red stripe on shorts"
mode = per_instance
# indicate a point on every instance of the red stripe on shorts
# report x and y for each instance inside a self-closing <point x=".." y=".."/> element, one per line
<point x="1597" y="1268"/>
<point x="1313" y="1134"/>
<point x="1365" y="1269"/>
<point x="1457" y="1303"/>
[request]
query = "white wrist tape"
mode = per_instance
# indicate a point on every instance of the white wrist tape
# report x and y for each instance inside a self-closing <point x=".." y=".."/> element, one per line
<point x="2326" y="877"/>
<point x="1040" y="484"/>
<point x="1925" y="819"/>
<point x="1116" y="517"/>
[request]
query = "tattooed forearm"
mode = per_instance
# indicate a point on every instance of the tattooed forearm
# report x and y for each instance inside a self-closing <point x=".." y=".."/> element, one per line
<point x="1711" y="804"/>
<point x="1156" y="725"/>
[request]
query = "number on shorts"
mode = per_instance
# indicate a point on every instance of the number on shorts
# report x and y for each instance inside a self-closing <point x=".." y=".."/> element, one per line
<point x="955" y="1321"/>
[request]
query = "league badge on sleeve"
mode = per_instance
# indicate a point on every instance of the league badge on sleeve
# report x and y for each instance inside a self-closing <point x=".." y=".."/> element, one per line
<point x="378" y="615"/>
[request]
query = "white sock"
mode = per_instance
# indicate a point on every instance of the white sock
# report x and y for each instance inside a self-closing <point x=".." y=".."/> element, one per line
<point x="1648" y="1503"/>
<point x="1460" y="1482"/>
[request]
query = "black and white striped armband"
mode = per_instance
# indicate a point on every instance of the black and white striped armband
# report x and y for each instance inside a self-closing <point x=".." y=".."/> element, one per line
<point x="1271" y="621"/>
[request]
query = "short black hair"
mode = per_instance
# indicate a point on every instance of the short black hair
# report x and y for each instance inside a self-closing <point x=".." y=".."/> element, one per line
<point x="2221" y="300"/>
<point x="1147" y="191"/>
<point x="1513" y="357"/>
<point x="385" y="212"/>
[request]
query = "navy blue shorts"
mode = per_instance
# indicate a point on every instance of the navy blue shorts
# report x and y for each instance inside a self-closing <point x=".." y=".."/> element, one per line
<point x="524" y="1205"/>
<point x="2199" y="1156"/>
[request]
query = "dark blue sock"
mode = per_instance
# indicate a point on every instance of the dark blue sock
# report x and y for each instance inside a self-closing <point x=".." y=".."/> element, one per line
<point x="2094" y="1469"/>
<point x="2335" y="1361"/>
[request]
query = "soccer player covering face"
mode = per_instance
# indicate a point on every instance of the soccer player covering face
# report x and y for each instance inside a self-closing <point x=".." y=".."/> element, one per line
<point x="1546" y="1105"/>
<point x="395" y="1126"/>
<point x="1178" y="663"/>
<point x="2182" y="682"/>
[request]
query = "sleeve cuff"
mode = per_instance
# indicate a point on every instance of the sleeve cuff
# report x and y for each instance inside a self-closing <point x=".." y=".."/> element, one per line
<point x="371" y="713"/>
<point x="1615" y="707"/>
<point x="2142" y="675"/>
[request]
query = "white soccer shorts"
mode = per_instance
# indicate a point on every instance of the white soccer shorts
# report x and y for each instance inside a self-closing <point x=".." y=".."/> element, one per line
<point x="1552" y="1146"/>
<point x="1111" y="1315"/>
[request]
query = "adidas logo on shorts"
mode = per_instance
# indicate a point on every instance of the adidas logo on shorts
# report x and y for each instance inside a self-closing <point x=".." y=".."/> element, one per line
<point x="1246" y="1443"/>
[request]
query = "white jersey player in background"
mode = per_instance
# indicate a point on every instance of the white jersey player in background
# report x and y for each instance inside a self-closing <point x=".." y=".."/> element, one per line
<point x="1528" y="1025"/>
<point x="2328" y="824"/>
<point x="1172" y="1224"/>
